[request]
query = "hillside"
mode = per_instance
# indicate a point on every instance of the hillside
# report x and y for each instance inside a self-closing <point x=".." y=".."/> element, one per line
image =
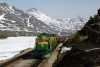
<point x="84" y="53"/>
<point x="62" y="26"/>
<point x="14" y="19"/>
<point x="32" y="22"/>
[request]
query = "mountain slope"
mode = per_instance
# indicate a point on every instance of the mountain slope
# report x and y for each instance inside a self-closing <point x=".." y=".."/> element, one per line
<point x="62" y="26"/>
<point x="46" y="19"/>
<point x="15" y="19"/>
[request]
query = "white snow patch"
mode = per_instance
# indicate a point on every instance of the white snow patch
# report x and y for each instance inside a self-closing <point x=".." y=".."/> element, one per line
<point x="64" y="49"/>
<point x="92" y="49"/>
<point x="13" y="45"/>
<point x="2" y="17"/>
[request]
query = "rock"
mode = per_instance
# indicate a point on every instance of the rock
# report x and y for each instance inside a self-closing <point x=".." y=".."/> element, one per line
<point x="94" y="32"/>
<point x="98" y="12"/>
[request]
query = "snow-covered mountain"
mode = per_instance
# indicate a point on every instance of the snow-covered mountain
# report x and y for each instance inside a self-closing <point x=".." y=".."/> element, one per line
<point x="53" y="23"/>
<point x="73" y="23"/>
<point x="62" y="26"/>
<point x="14" y="19"/>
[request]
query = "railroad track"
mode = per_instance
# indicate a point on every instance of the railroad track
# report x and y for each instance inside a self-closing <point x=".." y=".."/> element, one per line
<point x="37" y="62"/>
<point x="22" y="60"/>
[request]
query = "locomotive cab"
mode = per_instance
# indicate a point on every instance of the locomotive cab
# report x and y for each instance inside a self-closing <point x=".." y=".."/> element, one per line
<point x="45" y="43"/>
<point x="42" y="47"/>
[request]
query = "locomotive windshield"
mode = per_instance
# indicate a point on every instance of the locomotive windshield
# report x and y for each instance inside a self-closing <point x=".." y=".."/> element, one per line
<point x="41" y="39"/>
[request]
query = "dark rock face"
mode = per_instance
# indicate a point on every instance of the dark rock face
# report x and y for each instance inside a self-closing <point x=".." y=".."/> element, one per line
<point x="78" y="57"/>
<point x="99" y="12"/>
<point x="84" y="54"/>
<point x="94" y="31"/>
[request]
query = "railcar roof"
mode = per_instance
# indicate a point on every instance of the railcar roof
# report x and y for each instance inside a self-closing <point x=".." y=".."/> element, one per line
<point x="47" y="35"/>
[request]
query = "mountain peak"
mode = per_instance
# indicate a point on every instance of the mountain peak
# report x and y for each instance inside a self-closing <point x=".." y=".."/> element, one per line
<point x="14" y="19"/>
<point x="1" y="2"/>
<point x="32" y="10"/>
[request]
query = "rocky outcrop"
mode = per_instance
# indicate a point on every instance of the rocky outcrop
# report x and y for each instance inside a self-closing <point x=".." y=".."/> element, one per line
<point x="87" y="52"/>
<point x="99" y="12"/>
<point x="80" y="55"/>
<point x="94" y="34"/>
<point x="94" y="30"/>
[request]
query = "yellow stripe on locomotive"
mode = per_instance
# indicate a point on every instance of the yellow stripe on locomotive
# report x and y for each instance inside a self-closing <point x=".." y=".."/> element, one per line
<point x="42" y="43"/>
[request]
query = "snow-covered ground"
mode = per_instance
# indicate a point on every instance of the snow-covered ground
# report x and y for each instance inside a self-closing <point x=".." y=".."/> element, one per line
<point x="13" y="45"/>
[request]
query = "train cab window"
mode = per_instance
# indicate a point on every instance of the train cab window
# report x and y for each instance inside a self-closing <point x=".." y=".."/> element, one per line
<point x="36" y="40"/>
<point x="39" y="40"/>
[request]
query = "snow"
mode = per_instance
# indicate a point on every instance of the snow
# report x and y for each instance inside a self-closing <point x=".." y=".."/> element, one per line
<point x="1" y="17"/>
<point x="40" y="16"/>
<point x="13" y="45"/>
<point x="61" y="25"/>
<point x="92" y="49"/>
<point x="1" y="2"/>
<point x="64" y="49"/>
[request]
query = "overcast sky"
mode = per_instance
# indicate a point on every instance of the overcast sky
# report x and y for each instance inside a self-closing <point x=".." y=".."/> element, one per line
<point x="59" y="9"/>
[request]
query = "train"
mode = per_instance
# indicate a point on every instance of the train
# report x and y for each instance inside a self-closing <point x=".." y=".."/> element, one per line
<point x="45" y="43"/>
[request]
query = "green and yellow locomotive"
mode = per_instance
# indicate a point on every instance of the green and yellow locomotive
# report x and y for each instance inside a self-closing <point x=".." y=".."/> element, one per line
<point x="45" y="43"/>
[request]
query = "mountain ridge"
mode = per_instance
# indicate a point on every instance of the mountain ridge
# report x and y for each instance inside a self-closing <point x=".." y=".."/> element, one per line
<point x="14" y="19"/>
<point x="62" y="25"/>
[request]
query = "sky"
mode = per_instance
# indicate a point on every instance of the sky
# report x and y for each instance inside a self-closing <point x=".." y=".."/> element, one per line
<point x="59" y="9"/>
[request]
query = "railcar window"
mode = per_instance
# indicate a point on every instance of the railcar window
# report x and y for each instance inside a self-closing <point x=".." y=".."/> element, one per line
<point x="41" y="40"/>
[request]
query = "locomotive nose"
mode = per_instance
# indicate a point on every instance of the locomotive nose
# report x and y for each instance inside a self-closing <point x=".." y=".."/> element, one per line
<point x="42" y="43"/>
